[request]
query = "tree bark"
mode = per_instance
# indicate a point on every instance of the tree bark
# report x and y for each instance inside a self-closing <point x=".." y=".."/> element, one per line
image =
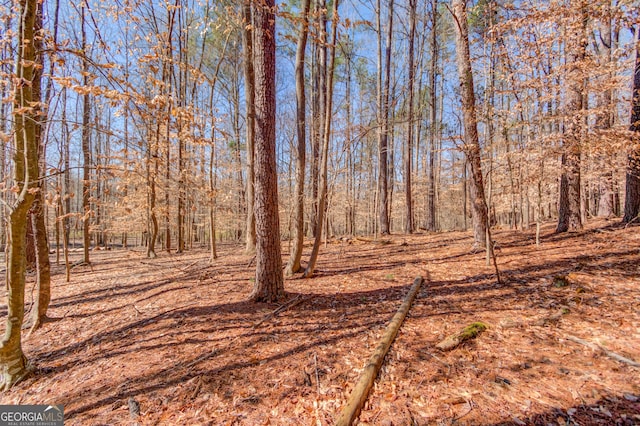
<point x="605" y="117"/>
<point x="86" y="147"/>
<point x="431" y="182"/>
<point x="472" y="143"/>
<point x="569" y="215"/>
<point x="383" y="122"/>
<point x="249" y="93"/>
<point x="632" y="197"/>
<point x="318" y="92"/>
<point x="43" y="267"/>
<point x="269" y="285"/>
<point x="293" y="265"/>
<point x="322" y="196"/>
<point x="13" y="363"/>
<point x="408" y="154"/>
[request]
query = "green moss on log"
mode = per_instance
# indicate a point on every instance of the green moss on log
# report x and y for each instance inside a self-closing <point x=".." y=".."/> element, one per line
<point x="471" y="331"/>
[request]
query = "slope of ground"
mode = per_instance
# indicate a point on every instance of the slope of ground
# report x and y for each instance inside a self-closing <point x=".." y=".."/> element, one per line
<point x="175" y="336"/>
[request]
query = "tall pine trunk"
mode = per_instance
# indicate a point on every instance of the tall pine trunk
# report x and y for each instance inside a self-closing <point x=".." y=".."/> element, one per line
<point x="408" y="227"/>
<point x="269" y="284"/>
<point x="383" y="121"/>
<point x="569" y="216"/>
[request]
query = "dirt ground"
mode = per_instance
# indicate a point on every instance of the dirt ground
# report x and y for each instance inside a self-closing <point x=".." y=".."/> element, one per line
<point x="175" y="339"/>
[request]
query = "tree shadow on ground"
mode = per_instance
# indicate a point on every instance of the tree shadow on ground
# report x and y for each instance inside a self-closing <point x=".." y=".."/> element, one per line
<point x="619" y="410"/>
<point x="215" y="341"/>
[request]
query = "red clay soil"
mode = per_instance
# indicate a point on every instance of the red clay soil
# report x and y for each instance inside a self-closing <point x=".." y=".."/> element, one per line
<point x="175" y="338"/>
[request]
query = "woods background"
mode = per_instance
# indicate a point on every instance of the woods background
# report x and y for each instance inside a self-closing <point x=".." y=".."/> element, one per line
<point x="145" y="115"/>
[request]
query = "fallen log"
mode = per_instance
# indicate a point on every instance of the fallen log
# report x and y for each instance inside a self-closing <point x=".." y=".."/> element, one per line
<point x="469" y="332"/>
<point x="360" y="392"/>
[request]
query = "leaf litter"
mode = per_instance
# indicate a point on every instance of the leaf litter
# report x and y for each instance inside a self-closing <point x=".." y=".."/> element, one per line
<point x="173" y="340"/>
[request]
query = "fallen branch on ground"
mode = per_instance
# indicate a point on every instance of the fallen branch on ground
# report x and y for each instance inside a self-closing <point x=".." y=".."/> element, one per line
<point x="291" y="303"/>
<point x="607" y="352"/>
<point x="370" y="372"/>
<point x="469" y="332"/>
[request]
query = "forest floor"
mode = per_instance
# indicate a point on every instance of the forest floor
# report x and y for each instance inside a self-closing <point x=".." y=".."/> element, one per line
<point x="176" y="337"/>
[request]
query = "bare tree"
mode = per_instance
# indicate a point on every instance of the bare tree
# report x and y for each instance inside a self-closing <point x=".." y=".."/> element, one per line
<point x="632" y="198"/>
<point x="322" y="196"/>
<point x="293" y="265"/>
<point x="40" y="305"/>
<point x="86" y="142"/>
<point x="408" y="227"/>
<point x="472" y="143"/>
<point x="13" y="363"/>
<point x="249" y="93"/>
<point x="433" y="126"/>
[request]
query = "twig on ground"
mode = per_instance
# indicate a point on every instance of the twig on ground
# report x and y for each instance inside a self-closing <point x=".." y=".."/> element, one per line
<point x="291" y="303"/>
<point x="607" y="352"/>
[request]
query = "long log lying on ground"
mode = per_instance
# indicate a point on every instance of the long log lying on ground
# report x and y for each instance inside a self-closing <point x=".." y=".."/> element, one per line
<point x="361" y="391"/>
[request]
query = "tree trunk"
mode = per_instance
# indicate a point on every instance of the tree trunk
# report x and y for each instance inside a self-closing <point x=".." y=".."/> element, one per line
<point x="605" y="117"/>
<point x="408" y="155"/>
<point x="322" y="197"/>
<point x="152" y="175"/>
<point x="269" y="285"/>
<point x="383" y="121"/>
<point x="293" y="265"/>
<point x="183" y="78"/>
<point x="86" y="147"/>
<point x="472" y="144"/>
<point x="431" y="182"/>
<point x="632" y="198"/>
<point x="5" y="69"/>
<point x="43" y="267"/>
<point x="569" y="212"/>
<point x="318" y="92"/>
<point x="249" y="93"/>
<point x="212" y="191"/>
<point x="13" y="363"/>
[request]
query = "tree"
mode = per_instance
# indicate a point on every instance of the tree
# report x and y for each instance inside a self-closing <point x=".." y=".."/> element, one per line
<point x="569" y="217"/>
<point x="86" y="142"/>
<point x="13" y="363"/>
<point x="318" y="103"/>
<point x="431" y="190"/>
<point x="40" y="305"/>
<point x="383" y="121"/>
<point x="326" y="136"/>
<point x="471" y="141"/>
<point x="269" y="285"/>
<point x="249" y="93"/>
<point x="408" y="227"/>
<point x="293" y="265"/>
<point x="632" y="197"/>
